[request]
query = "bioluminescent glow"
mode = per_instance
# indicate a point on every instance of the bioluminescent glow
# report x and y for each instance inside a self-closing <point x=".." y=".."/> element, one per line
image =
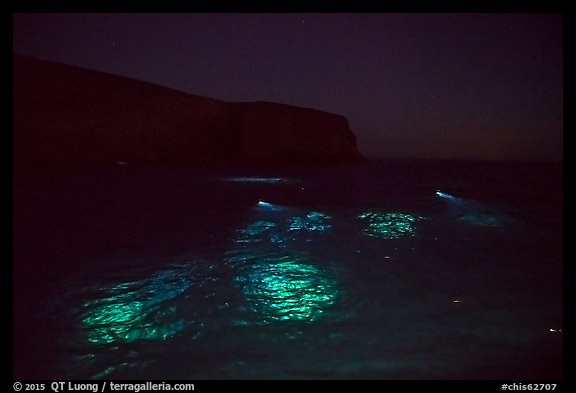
<point x="252" y="232"/>
<point x="258" y="180"/>
<point x="126" y="322"/>
<point x="389" y="225"/>
<point x="288" y="288"/>
<point x="130" y="312"/>
<point x="313" y="221"/>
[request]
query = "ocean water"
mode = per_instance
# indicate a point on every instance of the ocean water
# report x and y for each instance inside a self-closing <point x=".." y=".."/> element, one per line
<point x="386" y="270"/>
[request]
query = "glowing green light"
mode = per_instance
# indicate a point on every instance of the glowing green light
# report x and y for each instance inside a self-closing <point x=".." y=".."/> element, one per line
<point x="130" y="312"/>
<point x="288" y="289"/>
<point x="313" y="222"/>
<point x="126" y="322"/>
<point x="389" y="225"/>
<point x="115" y="313"/>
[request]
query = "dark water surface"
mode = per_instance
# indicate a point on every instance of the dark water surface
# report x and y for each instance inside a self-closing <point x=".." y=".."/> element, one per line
<point x="318" y="273"/>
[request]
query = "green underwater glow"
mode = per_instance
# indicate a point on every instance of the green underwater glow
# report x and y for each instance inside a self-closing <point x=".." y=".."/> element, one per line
<point x="132" y="311"/>
<point x="313" y="222"/>
<point x="288" y="289"/>
<point x="264" y="230"/>
<point x="389" y="225"/>
<point x="125" y="322"/>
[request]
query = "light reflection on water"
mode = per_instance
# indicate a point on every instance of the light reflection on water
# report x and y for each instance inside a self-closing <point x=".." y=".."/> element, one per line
<point x="287" y="288"/>
<point x="277" y="285"/>
<point x="278" y="281"/>
<point x="393" y="225"/>
<point x="282" y="276"/>
<point x="282" y="287"/>
<point x="133" y="311"/>
<point x="313" y="221"/>
<point x="252" y="232"/>
<point x="282" y="225"/>
<point x="473" y="212"/>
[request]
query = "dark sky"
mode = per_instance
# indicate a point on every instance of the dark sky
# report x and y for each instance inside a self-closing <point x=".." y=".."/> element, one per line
<point x="478" y="86"/>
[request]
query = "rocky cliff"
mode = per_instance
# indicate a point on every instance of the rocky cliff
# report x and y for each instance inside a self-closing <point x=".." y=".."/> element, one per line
<point x="69" y="115"/>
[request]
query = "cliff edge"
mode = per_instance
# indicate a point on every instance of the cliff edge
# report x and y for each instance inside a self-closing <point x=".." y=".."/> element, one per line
<point x="69" y="115"/>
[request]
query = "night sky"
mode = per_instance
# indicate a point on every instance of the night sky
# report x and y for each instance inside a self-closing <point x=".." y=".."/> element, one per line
<point x="472" y="86"/>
